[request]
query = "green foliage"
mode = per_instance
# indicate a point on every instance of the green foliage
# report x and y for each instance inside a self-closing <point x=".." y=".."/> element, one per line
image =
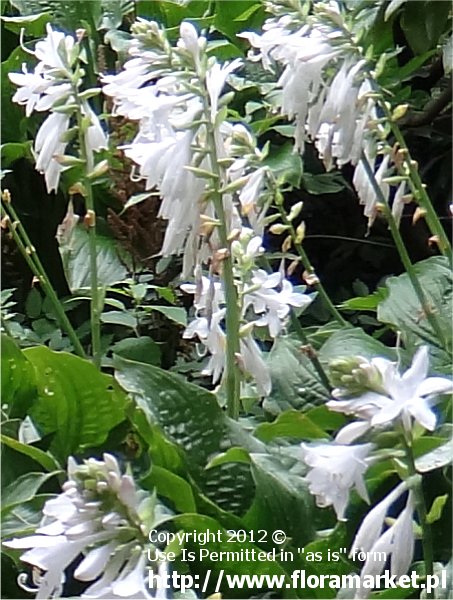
<point x="75" y="404"/>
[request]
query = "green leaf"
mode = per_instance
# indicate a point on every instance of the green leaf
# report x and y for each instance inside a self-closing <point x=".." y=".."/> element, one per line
<point x="436" y="459"/>
<point x="403" y="310"/>
<point x="370" y="302"/>
<point x="423" y="23"/>
<point x="34" y="25"/>
<point x="171" y="486"/>
<point x="238" y="15"/>
<point x="18" y="379"/>
<point x="324" y="183"/>
<point x="13" y="151"/>
<point x="235" y="454"/>
<point x="33" y="304"/>
<point x="23" y="519"/>
<point x="190" y="418"/>
<point x="285" y="164"/>
<point x="12" y="113"/>
<point x="119" y="317"/>
<point x="24" y="489"/>
<point x="435" y="512"/>
<point x="295" y="383"/>
<point x="76" y="261"/>
<point x="325" y="418"/>
<point x="41" y="457"/>
<point x="142" y="349"/>
<point x="174" y="313"/>
<point x="353" y="342"/>
<point x="282" y="499"/>
<point x="76" y="403"/>
<point x="290" y="424"/>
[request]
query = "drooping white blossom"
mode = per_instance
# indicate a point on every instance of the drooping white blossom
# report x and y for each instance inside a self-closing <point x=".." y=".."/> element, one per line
<point x="334" y="470"/>
<point x="49" y="86"/>
<point x="97" y="516"/>
<point x="396" y="542"/>
<point x="326" y="87"/>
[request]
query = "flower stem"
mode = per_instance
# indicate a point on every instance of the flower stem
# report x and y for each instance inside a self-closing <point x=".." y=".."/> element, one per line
<point x="310" y="269"/>
<point x="90" y="219"/>
<point x="420" y="504"/>
<point x="405" y="259"/>
<point x="32" y="259"/>
<point x="310" y="352"/>
<point x="232" y="316"/>
<point x="417" y="187"/>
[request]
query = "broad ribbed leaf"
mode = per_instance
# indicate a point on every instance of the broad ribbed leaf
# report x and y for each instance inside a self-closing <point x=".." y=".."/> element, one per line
<point x="76" y="403"/>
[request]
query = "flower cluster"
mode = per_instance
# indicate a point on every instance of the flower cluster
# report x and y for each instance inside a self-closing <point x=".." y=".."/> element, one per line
<point x="265" y="301"/>
<point x="54" y="86"/>
<point x="389" y="396"/>
<point x="98" y="515"/>
<point x="184" y="147"/>
<point x="376" y="394"/>
<point x="335" y="107"/>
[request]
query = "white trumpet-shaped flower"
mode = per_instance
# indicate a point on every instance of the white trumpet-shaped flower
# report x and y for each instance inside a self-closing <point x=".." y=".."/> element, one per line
<point x="52" y="85"/>
<point x="407" y="397"/>
<point x="334" y="470"/>
<point x="395" y="543"/>
<point x="97" y="516"/>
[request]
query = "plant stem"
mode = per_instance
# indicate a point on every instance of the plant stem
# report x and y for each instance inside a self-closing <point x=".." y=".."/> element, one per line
<point x="310" y="269"/>
<point x="232" y="316"/>
<point x="417" y="488"/>
<point x="311" y="353"/>
<point x="417" y="187"/>
<point x="405" y="259"/>
<point x="32" y="259"/>
<point x="90" y="219"/>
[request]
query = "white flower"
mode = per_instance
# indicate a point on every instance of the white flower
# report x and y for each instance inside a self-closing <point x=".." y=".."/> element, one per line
<point x="404" y="397"/>
<point x="251" y="191"/>
<point x="52" y="84"/>
<point x="216" y="78"/>
<point x="334" y="470"/>
<point x="48" y="145"/>
<point x="97" y="515"/>
<point x="396" y="543"/>
<point x="398" y="202"/>
<point x="274" y="304"/>
<point x="253" y="363"/>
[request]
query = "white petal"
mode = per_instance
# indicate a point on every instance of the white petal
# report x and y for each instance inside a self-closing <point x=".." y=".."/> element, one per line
<point x="435" y="385"/>
<point x="351" y="432"/>
<point x="403" y="540"/>
<point x="94" y="562"/>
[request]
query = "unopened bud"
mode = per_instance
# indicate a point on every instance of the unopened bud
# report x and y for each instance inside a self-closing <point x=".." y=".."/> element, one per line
<point x="399" y="112"/>
<point x="418" y="214"/>
<point x="295" y="211"/>
<point x="300" y="233"/>
<point x="278" y="228"/>
<point x="310" y="278"/>
<point x="89" y="219"/>
<point x="288" y="242"/>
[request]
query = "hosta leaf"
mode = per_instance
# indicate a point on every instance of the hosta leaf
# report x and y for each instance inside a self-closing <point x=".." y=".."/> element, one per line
<point x="282" y="499"/>
<point x="290" y="424"/>
<point x="353" y="342"/>
<point x="295" y="383"/>
<point x="76" y="403"/>
<point x="18" y="379"/>
<point x="41" y="457"/>
<point x="190" y="417"/>
<point x="76" y="260"/>
<point x="24" y="489"/>
<point x="402" y="308"/>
